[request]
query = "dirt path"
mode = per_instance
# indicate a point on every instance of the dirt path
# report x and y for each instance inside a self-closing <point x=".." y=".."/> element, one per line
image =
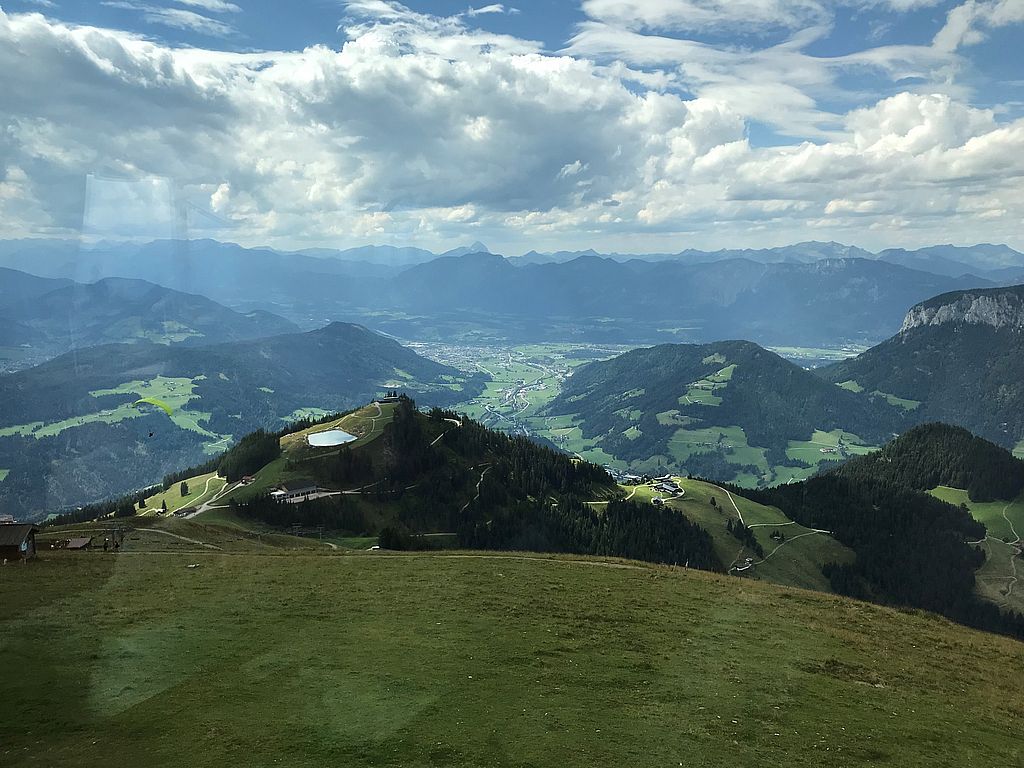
<point x="1013" y="554"/>
<point x="206" y="506"/>
<point x="733" y="501"/>
<point x="812" y="532"/>
<point x="162" y="532"/>
<point x="456" y="422"/>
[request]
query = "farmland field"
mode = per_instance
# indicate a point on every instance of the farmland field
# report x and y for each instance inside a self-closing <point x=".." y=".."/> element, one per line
<point x="304" y="657"/>
<point x="844" y="443"/>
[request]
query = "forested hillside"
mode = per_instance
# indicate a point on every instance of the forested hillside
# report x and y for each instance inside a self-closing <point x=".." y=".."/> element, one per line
<point x="430" y="473"/>
<point x="912" y="548"/>
<point x="959" y="359"/>
<point x="939" y="454"/>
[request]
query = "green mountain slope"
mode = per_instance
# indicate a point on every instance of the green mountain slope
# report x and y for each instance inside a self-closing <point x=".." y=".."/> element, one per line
<point x="729" y="410"/>
<point x="69" y="432"/>
<point x="414" y="480"/>
<point x="960" y="356"/>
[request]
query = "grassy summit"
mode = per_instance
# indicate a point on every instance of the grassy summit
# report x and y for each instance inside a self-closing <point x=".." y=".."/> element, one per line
<point x="417" y="660"/>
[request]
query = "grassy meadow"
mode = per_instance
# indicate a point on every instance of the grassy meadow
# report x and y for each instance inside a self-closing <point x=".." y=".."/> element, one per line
<point x="293" y="658"/>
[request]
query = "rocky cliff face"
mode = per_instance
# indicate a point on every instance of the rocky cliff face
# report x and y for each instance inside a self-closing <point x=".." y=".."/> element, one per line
<point x="998" y="309"/>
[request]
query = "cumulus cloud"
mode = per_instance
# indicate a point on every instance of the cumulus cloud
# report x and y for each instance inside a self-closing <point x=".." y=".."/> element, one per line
<point x="426" y="129"/>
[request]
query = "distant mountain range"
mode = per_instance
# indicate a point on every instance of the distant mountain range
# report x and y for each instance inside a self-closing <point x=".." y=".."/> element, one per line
<point x="808" y="304"/>
<point x="41" y="318"/>
<point x="808" y="294"/>
<point x="69" y="432"/>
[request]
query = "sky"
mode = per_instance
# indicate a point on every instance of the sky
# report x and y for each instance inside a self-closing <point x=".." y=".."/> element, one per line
<point x="630" y="126"/>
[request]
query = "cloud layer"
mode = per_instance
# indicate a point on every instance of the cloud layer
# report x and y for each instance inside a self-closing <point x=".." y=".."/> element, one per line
<point x="427" y="130"/>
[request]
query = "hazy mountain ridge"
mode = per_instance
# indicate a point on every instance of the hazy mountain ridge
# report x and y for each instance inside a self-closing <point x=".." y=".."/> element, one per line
<point x="53" y="316"/>
<point x="808" y="294"/>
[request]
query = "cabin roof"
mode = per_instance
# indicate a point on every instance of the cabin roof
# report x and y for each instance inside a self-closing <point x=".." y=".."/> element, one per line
<point x="12" y="535"/>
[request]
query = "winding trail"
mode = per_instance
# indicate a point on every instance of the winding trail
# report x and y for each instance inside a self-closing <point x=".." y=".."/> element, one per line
<point x="733" y="501"/>
<point x="206" y="506"/>
<point x="1013" y="555"/>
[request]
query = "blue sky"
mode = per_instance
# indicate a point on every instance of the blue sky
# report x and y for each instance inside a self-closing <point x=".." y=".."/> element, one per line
<point x="629" y="125"/>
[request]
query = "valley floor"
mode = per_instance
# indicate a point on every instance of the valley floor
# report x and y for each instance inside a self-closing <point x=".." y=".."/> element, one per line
<point x="260" y="656"/>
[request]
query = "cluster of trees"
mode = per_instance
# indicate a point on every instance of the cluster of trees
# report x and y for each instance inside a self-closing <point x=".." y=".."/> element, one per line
<point x="912" y="548"/>
<point x="745" y="536"/>
<point x="124" y="506"/>
<point x="253" y="452"/>
<point x="939" y="454"/>
<point x="624" y="529"/>
<point x="336" y="513"/>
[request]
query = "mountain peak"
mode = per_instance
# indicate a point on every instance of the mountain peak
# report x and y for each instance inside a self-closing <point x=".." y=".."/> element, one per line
<point x="995" y="307"/>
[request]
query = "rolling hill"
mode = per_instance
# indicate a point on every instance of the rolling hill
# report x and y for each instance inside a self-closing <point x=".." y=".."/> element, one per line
<point x="729" y="410"/>
<point x="70" y="434"/>
<point x="959" y="358"/>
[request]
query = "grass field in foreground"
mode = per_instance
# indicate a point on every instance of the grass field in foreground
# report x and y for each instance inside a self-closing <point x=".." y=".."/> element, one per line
<point x="289" y="660"/>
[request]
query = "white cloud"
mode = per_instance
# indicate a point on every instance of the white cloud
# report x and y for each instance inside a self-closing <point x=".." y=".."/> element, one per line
<point x="428" y="131"/>
<point x="705" y="14"/>
<point x="213" y="6"/>
<point x="967" y="24"/>
<point x="176" y="18"/>
<point x="492" y="8"/>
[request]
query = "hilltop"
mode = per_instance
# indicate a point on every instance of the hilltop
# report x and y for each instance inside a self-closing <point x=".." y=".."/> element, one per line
<point x="74" y="416"/>
<point x="729" y="410"/>
<point x="414" y="480"/>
